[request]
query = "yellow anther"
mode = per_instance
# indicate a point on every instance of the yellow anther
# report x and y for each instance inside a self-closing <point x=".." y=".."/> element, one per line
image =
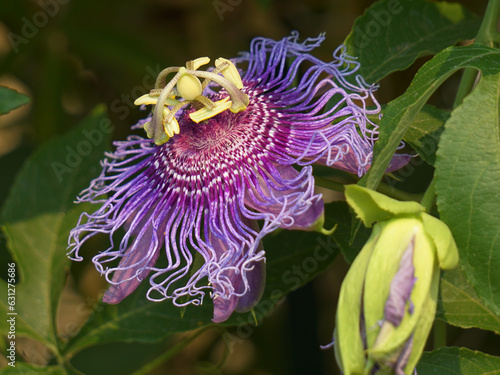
<point x="230" y="72"/>
<point x="241" y="106"/>
<point x="189" y="86"/>
<point x="161" y="133"/>
<point x="205" y="113"/>
<point x="149" y="99"/>
<point x="172" y="127"/>
<point x="159" y="137"/>
<point x="200" y="61"/>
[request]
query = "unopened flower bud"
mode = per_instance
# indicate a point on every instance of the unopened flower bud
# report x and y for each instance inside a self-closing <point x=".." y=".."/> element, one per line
<point x="388" y="299"/>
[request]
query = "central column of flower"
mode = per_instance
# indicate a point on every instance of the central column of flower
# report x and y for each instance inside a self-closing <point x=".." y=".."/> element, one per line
<point x="184" y="89"/>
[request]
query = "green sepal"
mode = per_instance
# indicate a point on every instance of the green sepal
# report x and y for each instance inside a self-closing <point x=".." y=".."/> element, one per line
<point x="319" y="226"/>
<point x="440" y="234"/>
<point x="371" y="206"/>
<point x="348" y="343"/>
<point x="395" y="235"/>
<point x="424" y="263"/>
<point x="336" y="348"/>
<point x="425" y="322"/>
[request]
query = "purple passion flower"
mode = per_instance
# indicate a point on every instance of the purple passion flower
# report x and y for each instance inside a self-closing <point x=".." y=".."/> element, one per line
<point x="220" y="157"/>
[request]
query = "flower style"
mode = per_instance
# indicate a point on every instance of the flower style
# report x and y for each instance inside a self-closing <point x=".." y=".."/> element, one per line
<point x="217" y="161"/>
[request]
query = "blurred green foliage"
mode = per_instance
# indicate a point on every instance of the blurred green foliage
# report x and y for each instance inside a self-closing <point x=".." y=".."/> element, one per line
<point x="69" y="56"/>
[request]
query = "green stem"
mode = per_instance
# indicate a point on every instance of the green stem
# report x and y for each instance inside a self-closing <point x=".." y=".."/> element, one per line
<point x="146" y="369"/>
<point x="329" y="184"/>
<point x="439" y="334"/>
<point x="429" y="195"/>
<point x="466" y="85"/>
<point x="211" y="368"/>
<point x="401" y="195"/>
<point x="487" y="35"/>
<point x="369" y="366"/>
<point x="382" y="188"/>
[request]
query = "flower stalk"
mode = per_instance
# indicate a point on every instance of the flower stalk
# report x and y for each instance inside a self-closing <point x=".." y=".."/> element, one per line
<point x="487" y="35"/>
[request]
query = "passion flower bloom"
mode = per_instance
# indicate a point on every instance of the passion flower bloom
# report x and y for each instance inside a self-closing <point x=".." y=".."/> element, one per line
<point x="216" y="173"/>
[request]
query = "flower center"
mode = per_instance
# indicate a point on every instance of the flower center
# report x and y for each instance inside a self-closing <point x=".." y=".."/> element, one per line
<point x="184" y="89"/>
<point x="209" y="139"/>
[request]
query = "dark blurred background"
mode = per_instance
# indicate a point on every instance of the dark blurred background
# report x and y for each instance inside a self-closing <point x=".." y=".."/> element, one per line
<point x="71" y="55"/>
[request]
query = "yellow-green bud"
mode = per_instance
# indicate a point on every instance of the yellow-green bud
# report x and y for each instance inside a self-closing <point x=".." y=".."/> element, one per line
<point x="388" y="299"/>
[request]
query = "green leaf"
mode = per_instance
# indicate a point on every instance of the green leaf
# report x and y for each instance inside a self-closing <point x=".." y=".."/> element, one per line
<point x="128" y="358"/>
<point x="11" y="99"/>
<point x="468" y="175"/>
<point x="453" y="361"/>
<point x="137" y="319"/>
<point x="293" y="259"/>
<point x="401" y="112"/>
<point x="37" y="217"/>
<point x="24" y="368"/>
<point x="459" y="304"/>
<point x="423" y="134"/>
<point x="391" y="35"/>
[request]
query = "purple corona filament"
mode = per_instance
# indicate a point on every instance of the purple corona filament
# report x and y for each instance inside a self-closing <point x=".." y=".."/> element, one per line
<point x="201" y="193"/>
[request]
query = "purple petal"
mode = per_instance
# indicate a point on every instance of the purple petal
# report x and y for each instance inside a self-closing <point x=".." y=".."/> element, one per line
<point x="286" y="194"/>
<point x="401" y="287"/>
<point x="256" y="277"/>
<point x="398" y="161"/>
<point x="223" y="308"/>
<point x="239" y="284"/>
<point x="404" y="356"/>
<point x="131" y="271"/>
